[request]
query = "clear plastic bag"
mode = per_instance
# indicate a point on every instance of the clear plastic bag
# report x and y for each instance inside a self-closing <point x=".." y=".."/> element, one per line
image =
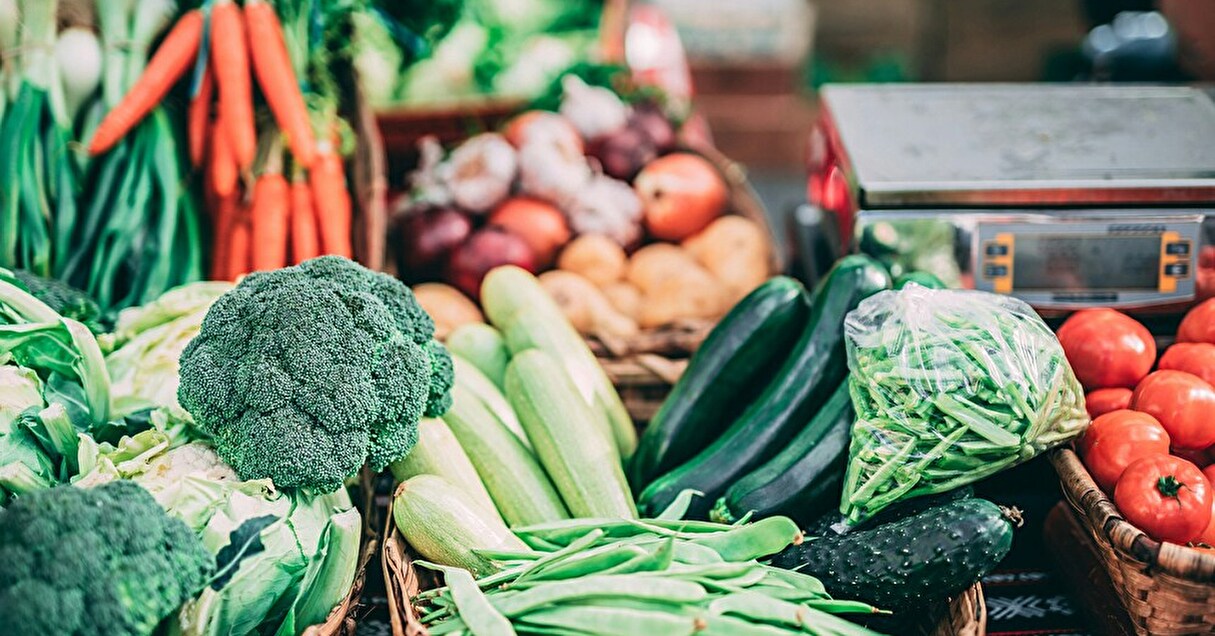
<point x="950" y="387"/>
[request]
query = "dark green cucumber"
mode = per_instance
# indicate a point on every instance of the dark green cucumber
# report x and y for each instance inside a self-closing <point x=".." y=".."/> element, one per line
<point x="801" y="386"/>
<point x="732" y="366"/>
<point x="805" y="478"/>
<point x="923" y="279"/>
<point x="910" y="562"/>
<point x="833" y="523"/>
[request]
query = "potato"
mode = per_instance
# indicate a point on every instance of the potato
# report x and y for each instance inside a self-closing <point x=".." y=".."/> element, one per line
<point x="735" y="250"/>
<point x="625" y="297"/>
<point x="655" y="264"/>
<point x="691" y="293"/>
<point x="587" y="309"/>
<point x="594" y="257"/>
<point x="447" y="306"/>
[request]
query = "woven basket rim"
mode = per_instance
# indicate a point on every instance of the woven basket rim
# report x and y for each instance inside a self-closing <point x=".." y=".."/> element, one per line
<point x="1103" y="518"/>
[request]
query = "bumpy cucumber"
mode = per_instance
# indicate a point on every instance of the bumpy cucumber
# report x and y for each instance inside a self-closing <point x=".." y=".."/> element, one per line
<point x="907" y="563"/>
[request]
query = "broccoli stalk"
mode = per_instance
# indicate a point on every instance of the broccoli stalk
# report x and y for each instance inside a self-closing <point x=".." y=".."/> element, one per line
<point x="304" y="374"/>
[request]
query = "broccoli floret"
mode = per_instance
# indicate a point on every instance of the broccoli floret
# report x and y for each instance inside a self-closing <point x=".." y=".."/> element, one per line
<point x="105" y="561"/>
<point x="66" y="300"/>
<point x="303" y="374"/>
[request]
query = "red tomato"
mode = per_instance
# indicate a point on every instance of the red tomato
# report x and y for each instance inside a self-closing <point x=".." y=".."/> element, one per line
<point x="1118" y="438"/>
<point x="1183" y="404"/>
<point x="1102" y="401"/>
<point x="1166" y="497"/>
<point x="1107" y="348"/>
<point x="1192" y="357"/>
<point x="1199" y="324"/>
<point x="1208" y="535"/>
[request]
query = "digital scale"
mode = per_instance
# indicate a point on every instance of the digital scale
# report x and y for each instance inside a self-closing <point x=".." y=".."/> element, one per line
<point x="1067" y="196"/>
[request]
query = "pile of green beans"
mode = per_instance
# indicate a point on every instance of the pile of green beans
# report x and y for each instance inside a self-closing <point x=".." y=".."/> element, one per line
<point x="615" y="577"/>
<point x="950" y="387"/>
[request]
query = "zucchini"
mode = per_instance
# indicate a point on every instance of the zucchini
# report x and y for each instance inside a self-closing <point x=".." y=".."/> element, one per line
<point x="475" y="382"/>
<point x="911" y="562"/>
<point x="923" y="279"/>
<point x="483" y="346"/>
<point x="446" y="526"/>
<point x="438" y="452"/>
<point x="729" y="369"/>
<point x="805" y="478"/>
<point x="565" y="434"/>
<point x="816" y="366"/>
<point x="529" y="319"/>
<point x="517" y="484"/>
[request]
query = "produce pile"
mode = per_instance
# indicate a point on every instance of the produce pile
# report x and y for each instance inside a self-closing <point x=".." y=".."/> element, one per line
<point x="1151" y="441"/>
<point x="633" y="226"/>
<point x="517" y="495"/>
<point x="187" y="470"/>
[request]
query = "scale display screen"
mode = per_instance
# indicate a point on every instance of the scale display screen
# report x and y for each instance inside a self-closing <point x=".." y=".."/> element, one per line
<point x="1079" y="262"/>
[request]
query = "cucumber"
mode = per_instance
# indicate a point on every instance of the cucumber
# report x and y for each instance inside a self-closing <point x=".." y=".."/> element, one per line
<point x="483" y="346"/>
<point x="475" y="382"/>
<point x="529" y="318"/>
<point x="805" y="478"/>
<point x="567" y="438"/>
<point x="908" y="563"/>
<point x="833" y="523"/>
<point x="729" y="369"/>
<point x="445" y="525"/>
<point x="923" y="279"/>
<point x="520" y="489"/>
<point x="816" y="366"/>
<point x="438" y="452"/>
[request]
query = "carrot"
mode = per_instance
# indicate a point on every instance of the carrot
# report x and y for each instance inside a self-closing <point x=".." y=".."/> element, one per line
<point x="269" y="215"/>
<point x="239" y="243"/>
<point x="331" y="201"/>
<point x="175" y="55"/>
<point x="305" y="243"/>
<point x="223" y="162"/>
<point x="276" y="76"/>
<point x="230" y="58"/>
<point x="199" y="118"/>
<point x="226" y="210"/>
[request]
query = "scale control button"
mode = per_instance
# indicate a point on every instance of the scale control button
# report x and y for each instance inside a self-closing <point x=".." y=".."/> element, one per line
<point x="1181" y="248"/>
<point x="997" y="249"/>
<point x="995" y="271"/>
<point x="1177" y="270"/>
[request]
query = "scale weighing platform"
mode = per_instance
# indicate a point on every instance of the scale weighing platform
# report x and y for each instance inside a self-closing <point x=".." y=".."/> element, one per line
<point x="1067" y="196"/>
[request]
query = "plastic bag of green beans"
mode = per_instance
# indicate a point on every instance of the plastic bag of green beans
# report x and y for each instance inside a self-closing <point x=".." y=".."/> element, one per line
<point x="950" y="387"/>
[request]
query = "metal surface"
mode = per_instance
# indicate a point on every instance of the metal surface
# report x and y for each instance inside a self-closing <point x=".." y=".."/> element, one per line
<point x="1027" y="145"/>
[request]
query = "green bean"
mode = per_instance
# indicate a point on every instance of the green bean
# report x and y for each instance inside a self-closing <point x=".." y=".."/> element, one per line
<point x="755" y="606"/>
<point x="679" y="505"/>
<point x="475" y="609"/>
<point x="973" y="420"/>
<point x="600" y="586"/>
<point x="762" y="538"/>
<point x="612" y="621"/>
<point x="588" y="563"/>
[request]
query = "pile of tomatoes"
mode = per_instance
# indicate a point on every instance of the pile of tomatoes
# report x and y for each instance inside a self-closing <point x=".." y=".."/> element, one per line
<point x="1152" y="441"/>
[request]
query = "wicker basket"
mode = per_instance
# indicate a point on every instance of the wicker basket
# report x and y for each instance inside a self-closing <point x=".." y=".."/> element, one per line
<point x="965" y="615"/>
<point x="1167" y="589"/>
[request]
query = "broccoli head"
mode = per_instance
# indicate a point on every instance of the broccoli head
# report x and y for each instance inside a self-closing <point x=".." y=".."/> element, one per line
<point x="66" y="300"/>
<point x="105" y="561"/>
<point x="303" y="374"/>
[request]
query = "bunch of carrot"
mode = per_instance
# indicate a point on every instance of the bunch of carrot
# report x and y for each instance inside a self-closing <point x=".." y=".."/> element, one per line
<point x="260" y="219"/>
